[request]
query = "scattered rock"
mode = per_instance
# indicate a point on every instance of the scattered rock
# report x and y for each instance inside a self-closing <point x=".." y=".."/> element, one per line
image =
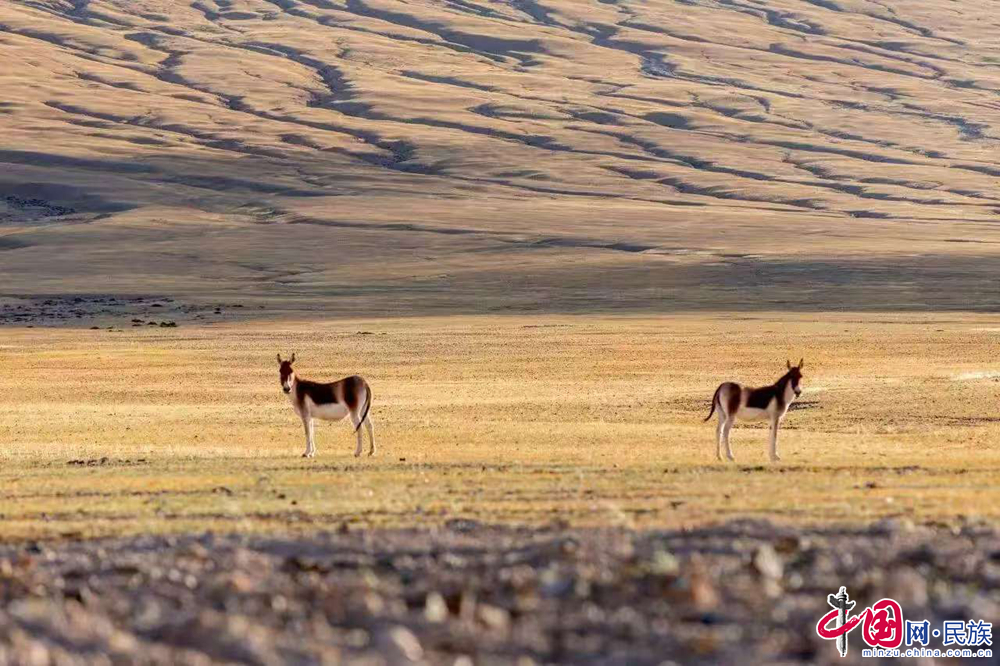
<point x="399" y="644"/>
<point x="462" y="525"/>
<point x="486" y="595"/>
<point x="908" y="587"/>
<point x="790" y="544"/>
<point x="494" y="617"/>
<point x="435" y="608"/>
<point x="36" y="208"/>
<point x="663" y="563"/>
<point x="891" y="526"/>
<point x="767" y="562"/>
<point x="701" y="588"/>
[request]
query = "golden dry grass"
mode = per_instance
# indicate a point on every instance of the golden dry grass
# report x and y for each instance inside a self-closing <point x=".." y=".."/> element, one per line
<point x="590" y="420"/>
<point x="317" y="161"/>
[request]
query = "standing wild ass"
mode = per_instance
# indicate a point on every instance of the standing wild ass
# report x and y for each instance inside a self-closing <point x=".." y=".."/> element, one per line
<point x="329" y="402"/>
<point x="772" y="402"/>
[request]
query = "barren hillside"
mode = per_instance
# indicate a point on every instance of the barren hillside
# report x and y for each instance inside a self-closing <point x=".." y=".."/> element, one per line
<point x="368" y="156"/>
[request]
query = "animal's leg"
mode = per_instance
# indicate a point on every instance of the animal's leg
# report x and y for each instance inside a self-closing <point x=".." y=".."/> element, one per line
<point x="730" y="421"/>
<point x="371" y="434"/>
<point x="357" y="430"/>
<point x="774" y="440"/>
<point x="718" y="435"/>
<point x="307" y="423"/>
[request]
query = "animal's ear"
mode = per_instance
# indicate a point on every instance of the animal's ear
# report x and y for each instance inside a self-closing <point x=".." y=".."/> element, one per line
<point x="292" y="360"/>
<point x="802" y="363"/>
<point x="789" y="364"/>
<point x="279" y="359"/>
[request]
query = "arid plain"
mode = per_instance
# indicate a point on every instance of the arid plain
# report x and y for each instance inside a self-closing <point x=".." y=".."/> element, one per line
<point x="275" y="176"/>
<point x="518" y="420"/>
<point x="544" y="231"/>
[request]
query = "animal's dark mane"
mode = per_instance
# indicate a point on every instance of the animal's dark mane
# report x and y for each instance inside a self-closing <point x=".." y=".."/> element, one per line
<point x="761" y="397"/>
<point x="783" y="381"/>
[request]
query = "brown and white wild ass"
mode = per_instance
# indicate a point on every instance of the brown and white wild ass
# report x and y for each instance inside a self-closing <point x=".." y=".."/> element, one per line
<point x="771" y="402"/>
<point x="330" y="402"/>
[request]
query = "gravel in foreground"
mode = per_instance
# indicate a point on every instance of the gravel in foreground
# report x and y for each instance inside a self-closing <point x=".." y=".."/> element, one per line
<point x="740" y="593"/>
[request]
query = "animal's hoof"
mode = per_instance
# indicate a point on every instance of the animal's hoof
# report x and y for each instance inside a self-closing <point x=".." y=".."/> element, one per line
<point x="357" y="454"/>
<point x="775" y="458"/>
<point x="730" y="458"/>
<point x="371" y="453"/>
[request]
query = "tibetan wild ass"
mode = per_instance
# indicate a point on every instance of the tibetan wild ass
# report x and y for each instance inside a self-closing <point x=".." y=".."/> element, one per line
<point x="350" y="396"/>
<point x="740" y="402"/>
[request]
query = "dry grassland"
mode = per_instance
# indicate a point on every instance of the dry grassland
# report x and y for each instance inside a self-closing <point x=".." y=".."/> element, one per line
<point x="592" y="421"/>
<point x="519" y="196"/>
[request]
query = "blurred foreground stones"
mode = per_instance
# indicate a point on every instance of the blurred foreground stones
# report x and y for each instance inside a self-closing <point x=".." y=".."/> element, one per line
<point x="739" y="593"/>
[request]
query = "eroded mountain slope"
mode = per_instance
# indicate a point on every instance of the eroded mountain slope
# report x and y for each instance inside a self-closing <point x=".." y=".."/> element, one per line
<point x="502" y="154"/>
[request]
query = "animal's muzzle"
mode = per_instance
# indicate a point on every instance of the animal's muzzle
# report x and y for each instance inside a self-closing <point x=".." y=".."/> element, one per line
<point x="798" y="392"/>
<point x="286" y="389"/>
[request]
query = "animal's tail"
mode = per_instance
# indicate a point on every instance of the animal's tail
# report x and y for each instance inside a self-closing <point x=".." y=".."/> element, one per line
<point x="368" y="404"/>
<point x="715" y="401"/>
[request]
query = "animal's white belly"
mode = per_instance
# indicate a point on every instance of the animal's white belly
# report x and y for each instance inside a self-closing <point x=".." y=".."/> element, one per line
<point x="753" y="414"/>
<point x="334" y="411"/>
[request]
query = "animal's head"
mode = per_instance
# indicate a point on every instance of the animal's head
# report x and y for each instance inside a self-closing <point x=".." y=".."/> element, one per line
<point x="794" y="375"/>
<point x="287" y="373"/>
